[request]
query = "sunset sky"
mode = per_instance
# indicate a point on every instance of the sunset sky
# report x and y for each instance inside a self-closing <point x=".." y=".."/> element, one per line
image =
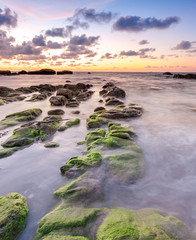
<point x="99" y="35"/>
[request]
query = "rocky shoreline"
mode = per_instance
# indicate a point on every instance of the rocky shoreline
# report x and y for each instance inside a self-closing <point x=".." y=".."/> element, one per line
<point x="111" y="153"/>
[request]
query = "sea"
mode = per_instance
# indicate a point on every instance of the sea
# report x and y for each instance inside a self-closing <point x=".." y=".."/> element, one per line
<point x="166" y="133"/>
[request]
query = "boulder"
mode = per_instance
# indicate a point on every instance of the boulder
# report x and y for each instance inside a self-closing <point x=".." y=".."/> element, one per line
<point x="42" y="72"/>
<point x="116" y="92"/>
<point x="56" y="112"/>
<point x="13" y="215"/>
<point x="64" y="72"/>
<point x="22" y="72"/>
<point x="65" y="92"/>
<point x="5" y="91"/>
<point x="58" y="100"/>
<point x="186" y="76"/>
<point x="72" y="103"/>
<point x="38" y="97"/>
<point x="113" y="102"/>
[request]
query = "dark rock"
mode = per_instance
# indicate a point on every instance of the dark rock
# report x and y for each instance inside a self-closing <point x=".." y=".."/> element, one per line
<point x="38" y="97"/>
<point x="102" y="92"/>
<point x="22" y="72"/>
<point x="58" y="100"/>
<point x="113" y="102"/>
<point x="42" y="72"/>
<point x="68" y="81"/>
<point x="101" y="100"/>
<point x="72" y="103"/>
<point x="5" y="91"/>
<point x="83" y="96"/>
<point x="75" y="112"/>
<point x="186" y="76"/>
<point x="108" y="85"/>
<point x="65" y="92"/>
<point x="116" y="92"/>
<point x="167" y="73"/>
<point x="64" y="72"/>
<point x="56" y="112"/>
<point x="5" y="72"/>
<point x="97" y="109"/>
<point x="25" y="90"/>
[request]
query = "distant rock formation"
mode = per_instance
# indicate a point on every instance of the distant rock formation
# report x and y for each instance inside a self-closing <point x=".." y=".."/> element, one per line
<point x="64" y="72"/>
<point x="42" y="72"/>
<point x="186" y="76"/>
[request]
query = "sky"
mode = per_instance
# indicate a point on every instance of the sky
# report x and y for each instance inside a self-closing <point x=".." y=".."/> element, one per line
<point x="99" y="35"/>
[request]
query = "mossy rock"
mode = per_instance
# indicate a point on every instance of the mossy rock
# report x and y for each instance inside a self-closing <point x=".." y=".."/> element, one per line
<point x="117" y="137"/>
<point x="67" y="222"/>
<point x="31" y="132"/>
<point x="142" y="224"/>
<point x="16" y="118"/>
<point x="56" y="112"/>
<point x="111" y="224"/>
<point x="51" y="145"/>
<point x="7" y="152"/>
<point x="69" y="124"/>
<point x="78" y="165"/>
<point x="13" y="214"/>
<point x="125" y="167"/>
<point x="86" y="188"/>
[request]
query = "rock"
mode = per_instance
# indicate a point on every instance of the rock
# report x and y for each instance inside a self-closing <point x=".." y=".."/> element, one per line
<point x="100" y="100"/>
<point x="98" y="109"/>
<point x="7" y="152"/>
<point x="69" y="124"/>
<point x="116" y="92"/>
<point x="5" y="91"/>
<point x="58" y="100"/>
<point x="102" y="92"/>
<point x="97" y="119"/>
<point x="113" y="102"/>
<point x="23" y="72"/>
<point x="64" y="72"/>
<point x="186" y="76"/>
<point x="72" y="103"/>
<point x="5" y="72"/>
<point x="42" y="72"/>
<point x="68" y="81"/>
<point x="85" y="189"/>
<point x="84" y="95"/>
<point x="13" y="214"/>
<point x="37" y="97"/>
<point x="31" y="132"/>
<point x="81" y="223"/>
<point x="51" y="145"/>
<point x="109" y="85"/>
<point x="16" y="118"/>
<point x="56" y="112"/>
<point x="75" y="112"/>
<point x="167" y="73"/>
<point x="78" y="165"/>
<point x="65" y="92"/>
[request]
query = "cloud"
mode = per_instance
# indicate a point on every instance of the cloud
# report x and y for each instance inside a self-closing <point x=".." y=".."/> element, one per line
<point x="141" y="53"/>
<point x="7" y="18"/>
<point x="90" y="15"/>
<point x="84" y="40"/>
<point x="8" y="50"/>
<point x="143" y="42"/>
<point x="39" y="41"/>
<point x="184" y="45"/>
<point x="137" y="24"/>
<point x="74" y="51"/>
<point x="109" y="56"/>
<point x="55" y="45"/>
<point x="55" y="32"/>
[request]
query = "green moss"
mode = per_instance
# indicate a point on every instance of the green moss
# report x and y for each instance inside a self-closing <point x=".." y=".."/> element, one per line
<point x="73" y="122"/>
<point x="16" y="118"/>
<point x="81" y="143"/>
<point x="7" y="152"/>
<point x="82" y="163"/>
<point x="67" y="219"/>
<point x="62" y="128"/>
<point x="118" y="226"/>
<point x="51" y="145"/>
<point x="95" y="121"/>
<point x="126" y="167"/>
<point x="13" y="213"/>
<point x="57" y="236"/>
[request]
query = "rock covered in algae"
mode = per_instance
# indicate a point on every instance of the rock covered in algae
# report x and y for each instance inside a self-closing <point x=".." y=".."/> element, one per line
<point x="79" y="164"/>
<point x="51" y="145"/>
<point x="98" y="118"/>
<point x="13" y="214"/>
<point x="16" y="118"/>
<point x="111" y="224"/>
<point x="69" y="124"/>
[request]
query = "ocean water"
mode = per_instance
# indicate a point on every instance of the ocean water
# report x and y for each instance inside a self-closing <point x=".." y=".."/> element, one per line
<point x="166" y="133"/>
